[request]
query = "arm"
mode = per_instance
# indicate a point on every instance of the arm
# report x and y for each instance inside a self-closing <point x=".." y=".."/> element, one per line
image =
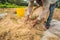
<point x="30" y="7"/>
<point x="45" y="10"/>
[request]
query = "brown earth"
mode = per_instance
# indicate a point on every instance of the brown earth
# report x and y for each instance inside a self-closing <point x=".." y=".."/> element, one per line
<point x="13" y="28"/>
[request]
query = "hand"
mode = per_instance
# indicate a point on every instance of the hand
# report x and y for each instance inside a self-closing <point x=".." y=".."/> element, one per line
<point x="34" y="22"/>
<point x="27" y="18"/>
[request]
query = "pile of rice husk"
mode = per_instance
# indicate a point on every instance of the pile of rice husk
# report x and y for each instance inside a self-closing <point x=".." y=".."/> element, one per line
<point x="13" y="28"/>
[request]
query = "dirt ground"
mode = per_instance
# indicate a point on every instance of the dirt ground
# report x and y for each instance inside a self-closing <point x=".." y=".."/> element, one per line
<point x="13" y="28"/>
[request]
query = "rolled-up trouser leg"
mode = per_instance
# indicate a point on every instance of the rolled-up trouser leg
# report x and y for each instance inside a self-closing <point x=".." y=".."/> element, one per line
<point x="52" y="7"/>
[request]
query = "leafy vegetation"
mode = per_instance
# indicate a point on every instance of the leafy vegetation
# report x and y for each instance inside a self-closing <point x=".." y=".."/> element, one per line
<point x="58" y="4"/>
<point x="16" y="3"/>
<point x="12" y="3"/>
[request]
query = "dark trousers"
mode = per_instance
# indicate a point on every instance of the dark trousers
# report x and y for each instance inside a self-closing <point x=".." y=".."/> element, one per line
<point x="52" y="7"/>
